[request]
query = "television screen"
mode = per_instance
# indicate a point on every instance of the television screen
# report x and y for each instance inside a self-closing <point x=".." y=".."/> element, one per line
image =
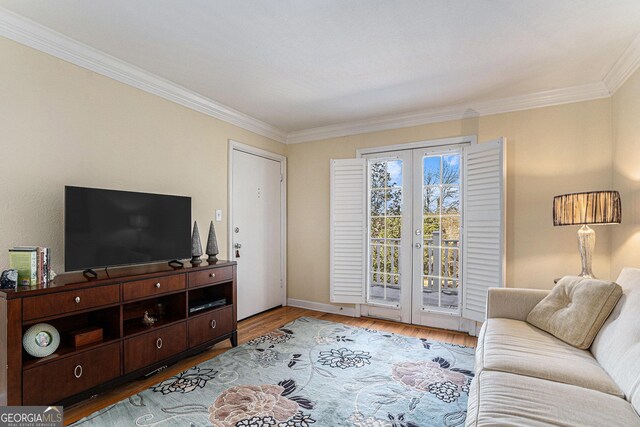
<point x="106" y="228"/>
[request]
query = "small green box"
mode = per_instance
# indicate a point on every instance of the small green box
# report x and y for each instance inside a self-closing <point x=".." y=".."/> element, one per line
<point x="26" y="262"/>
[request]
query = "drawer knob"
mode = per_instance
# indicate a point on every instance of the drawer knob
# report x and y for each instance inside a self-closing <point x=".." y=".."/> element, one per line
<point x="213" y="324"/>
<point x="158" y="285"/>
<point x="212" y="275"/>
<point x="77" y="300"/>
<point x="77" y="372"/>
<point x="159" y="343"/>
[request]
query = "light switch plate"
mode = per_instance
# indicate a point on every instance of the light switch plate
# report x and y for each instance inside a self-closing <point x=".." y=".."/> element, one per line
<point x="218" y="215"/>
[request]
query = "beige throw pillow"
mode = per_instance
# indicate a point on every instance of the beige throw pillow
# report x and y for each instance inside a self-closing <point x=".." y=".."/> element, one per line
<point x="575" y="309"/>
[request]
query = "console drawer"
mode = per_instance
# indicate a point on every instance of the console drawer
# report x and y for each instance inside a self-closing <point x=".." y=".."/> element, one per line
<point x="210" y="276"/>
<point x="154" y="346"/>
<point x="69" y="301"/>
<point x="154" y="286"/>
<point x="52" y="382"/>
<point x="208" y="326"/>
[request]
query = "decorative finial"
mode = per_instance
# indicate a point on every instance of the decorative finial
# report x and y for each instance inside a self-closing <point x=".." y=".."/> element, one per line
<point x="212" y="245"/>
<point x="196" y="245"/>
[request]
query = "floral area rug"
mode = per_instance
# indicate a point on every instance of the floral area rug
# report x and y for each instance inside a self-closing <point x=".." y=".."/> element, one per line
<point x="310" y="373"/>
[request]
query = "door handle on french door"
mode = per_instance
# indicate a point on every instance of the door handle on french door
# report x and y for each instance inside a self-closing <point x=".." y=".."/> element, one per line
<point x="418" y="245"/>
<point x="237" y="246"/>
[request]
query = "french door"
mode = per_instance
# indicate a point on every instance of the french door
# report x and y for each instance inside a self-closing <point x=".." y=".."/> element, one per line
<point x="417" y="235"/>
<point x="415" y="208"/>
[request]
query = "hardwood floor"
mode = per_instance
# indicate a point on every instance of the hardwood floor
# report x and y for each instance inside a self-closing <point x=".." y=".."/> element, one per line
<point x="251" y="328"/>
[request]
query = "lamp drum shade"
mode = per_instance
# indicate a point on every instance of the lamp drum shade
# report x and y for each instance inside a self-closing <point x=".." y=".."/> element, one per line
<point x="594" y="207"/>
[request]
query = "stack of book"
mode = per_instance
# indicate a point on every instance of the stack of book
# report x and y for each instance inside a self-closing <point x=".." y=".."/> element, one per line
<point x="33" y="264"/>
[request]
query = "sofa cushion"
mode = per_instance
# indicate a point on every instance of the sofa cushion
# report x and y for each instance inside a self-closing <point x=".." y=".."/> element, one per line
<point x="504" y="399"/>
<point x="617" y="346"/>
<point x="575" y="309"/>
<point x="520" y="348"/>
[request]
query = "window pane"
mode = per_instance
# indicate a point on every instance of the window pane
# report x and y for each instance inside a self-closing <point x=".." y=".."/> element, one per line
<point x="377" y="258"/>
<point x="377" y="228"/>
<point x="450" y="199"/>
<point x="450" y="293"/>
<point x="393" y="257"/>
<point x="449" y="262"/>
<point x="451" y="169"/>
<point x="431" y="170"/>
<point x="393" y="201"/>
<point x="431" y="200"/>
<point x="429" y="260"/>
<point x="394" y="173"/>
<point x="431" y="225"/>
<point x="393" y="230"/>
<point x="378" y="174"/>
<point x="451" y="228"/>
<point x="430" y="292"/>
<point x="377" y="203"/>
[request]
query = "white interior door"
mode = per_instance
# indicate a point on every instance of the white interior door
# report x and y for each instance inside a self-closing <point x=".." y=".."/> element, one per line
<point x="389" y="280"/>
<point x="437" y="238"/>
<point x="256" y="232"/>
<point x="415" y="210"/>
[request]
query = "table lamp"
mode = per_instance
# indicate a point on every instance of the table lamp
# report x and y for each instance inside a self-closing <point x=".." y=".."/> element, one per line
<point x="595" y="207"/>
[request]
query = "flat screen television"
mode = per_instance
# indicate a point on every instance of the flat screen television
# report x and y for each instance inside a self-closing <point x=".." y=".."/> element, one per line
<point x="105" y="228"/>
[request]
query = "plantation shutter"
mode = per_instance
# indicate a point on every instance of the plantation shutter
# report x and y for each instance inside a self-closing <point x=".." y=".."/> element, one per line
<point x="348" y="231"/>
<point x="483" y="225"/>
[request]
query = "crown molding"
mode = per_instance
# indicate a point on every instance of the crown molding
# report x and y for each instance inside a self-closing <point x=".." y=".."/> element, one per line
<point x="32" y="34"/>
<point x="546" y="98"/>
<point x="624" y="67"/>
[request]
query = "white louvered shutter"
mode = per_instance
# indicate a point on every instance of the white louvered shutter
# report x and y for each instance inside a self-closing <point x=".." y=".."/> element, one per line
<point x="483" y="225"/>
<point x="348" y="228"/>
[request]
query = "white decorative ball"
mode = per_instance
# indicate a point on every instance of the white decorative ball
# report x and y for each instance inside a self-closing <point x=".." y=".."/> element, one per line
<point x="41" y="340"/>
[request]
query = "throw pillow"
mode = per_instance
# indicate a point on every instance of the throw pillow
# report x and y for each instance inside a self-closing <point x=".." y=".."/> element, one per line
<point x="575" y="309"/>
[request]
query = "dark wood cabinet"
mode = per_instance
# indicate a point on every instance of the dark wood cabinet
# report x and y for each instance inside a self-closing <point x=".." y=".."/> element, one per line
<point x="208" y="326"/>
<point x="154" y="286"/>
<point x="203" y="278"/>
<point x="115" y="301"/>
<point x="67" y="302"/>
<point x="57" y="380"/>
<point x="154" y="346"/>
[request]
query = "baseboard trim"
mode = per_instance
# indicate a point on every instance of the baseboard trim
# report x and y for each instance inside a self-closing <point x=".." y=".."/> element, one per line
<point x="318" y="306"/>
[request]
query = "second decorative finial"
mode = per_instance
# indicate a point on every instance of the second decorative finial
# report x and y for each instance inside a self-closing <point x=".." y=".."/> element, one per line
<point x="212" y="245"/>
<point x="196" y="245"/>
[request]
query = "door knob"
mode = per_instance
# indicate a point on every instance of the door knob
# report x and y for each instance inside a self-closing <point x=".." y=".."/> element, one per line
<point x="418" y="245"/>
<point x="237" y="246"/>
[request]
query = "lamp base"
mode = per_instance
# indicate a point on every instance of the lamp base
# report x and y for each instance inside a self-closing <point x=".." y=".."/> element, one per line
<point x="586" y="243"/>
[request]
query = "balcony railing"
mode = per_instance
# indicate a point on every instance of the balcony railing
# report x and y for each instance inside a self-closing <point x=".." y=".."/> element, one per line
<point x="441" y="268"/>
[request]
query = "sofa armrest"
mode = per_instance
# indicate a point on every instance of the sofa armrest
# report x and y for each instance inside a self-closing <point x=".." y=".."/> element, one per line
<point x="513" y="303"/>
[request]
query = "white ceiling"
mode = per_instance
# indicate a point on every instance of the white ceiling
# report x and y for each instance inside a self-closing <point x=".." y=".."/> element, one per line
<point x="304" y="64"/>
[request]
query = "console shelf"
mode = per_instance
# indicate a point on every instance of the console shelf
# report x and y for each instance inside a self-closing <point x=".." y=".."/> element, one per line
<point x="115" y="303"/>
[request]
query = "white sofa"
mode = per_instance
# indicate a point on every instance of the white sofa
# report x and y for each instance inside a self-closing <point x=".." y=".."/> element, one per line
<point x="527" y="377"/>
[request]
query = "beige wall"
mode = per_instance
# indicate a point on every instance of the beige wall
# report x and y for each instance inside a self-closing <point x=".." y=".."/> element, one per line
<point x="551" y="151"/>
<point x="63" y="125"/>
<point x="625" y="244"/>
